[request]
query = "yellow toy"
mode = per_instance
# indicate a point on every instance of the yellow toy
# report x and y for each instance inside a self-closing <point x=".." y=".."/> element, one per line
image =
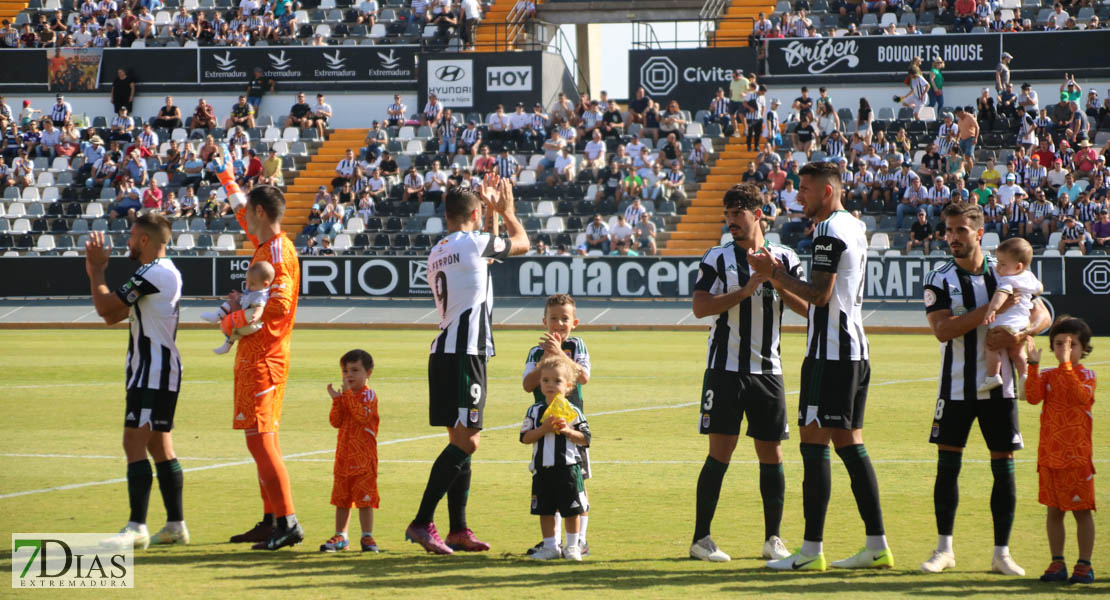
<point x="561" y="409"/>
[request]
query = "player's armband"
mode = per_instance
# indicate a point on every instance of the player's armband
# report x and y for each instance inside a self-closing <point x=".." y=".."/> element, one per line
<point x="826" y="253"/>
<point x="936" y="298"/>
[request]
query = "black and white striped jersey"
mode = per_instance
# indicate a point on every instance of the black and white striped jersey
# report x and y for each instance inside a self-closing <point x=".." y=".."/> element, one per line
<point x="553" y="450"/>
<point x="964" y="358"/>
<point x="744" y="339"/>
<point x="758" y="102"/>
<point x="575" y="349"/>
<point x="153" y="293"/>
<point x="835" y="331"/>
<point x="458" y="272"/>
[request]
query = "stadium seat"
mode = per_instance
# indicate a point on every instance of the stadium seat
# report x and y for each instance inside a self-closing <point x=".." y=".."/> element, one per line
<point x="879" y="241"/>
<point x="990" y="241"/>
<point x="526" y="177"/>
<point x="185" y="241"/>
<point x="31" y="194"/>
<point x="354" y="225"/>
<point x="94" y="210"/>
<point x="1074" y="252"/>
<point x="21" y="226"/>
<point x="11" y="193"/>
<point x="545" y="208"/>
<point x="927" y="113"/>
<point x="60" y="164"/>
<point x="100" y="224"/>
<point x="554" y="225"/>
<point x="1051" y="253"/>
<point x="79" y="226"/>
<point x="17" y="210"/>
<point x="291" y="134"/>
<point x="1053" y="239"/>
<point x="341" y="242"/>
<point x="51" y="194"/>
<point x="433" y="226"/>
<point x="225" y="243"/>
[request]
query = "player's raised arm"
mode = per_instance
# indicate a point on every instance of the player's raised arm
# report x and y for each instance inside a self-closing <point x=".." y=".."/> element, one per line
<point x="108" y="305"/>
<point x="506" y="207"/>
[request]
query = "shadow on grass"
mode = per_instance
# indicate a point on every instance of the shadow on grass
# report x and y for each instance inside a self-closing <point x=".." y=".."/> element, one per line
<point x="284" y="570"/>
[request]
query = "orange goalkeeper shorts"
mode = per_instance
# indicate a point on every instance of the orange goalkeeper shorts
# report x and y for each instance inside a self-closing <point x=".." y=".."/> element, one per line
<point x="359" y="490"/>
<point x="258" y="400"/>
<point x="1067" y="489"/>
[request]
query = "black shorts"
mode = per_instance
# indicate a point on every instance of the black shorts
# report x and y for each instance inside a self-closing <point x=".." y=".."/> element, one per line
<point x="456" y="390"/>
<point x="998" y="420"/>
<point x="153" y="408"/>
<point x="834" y="393"/>
<point x="558" y="489"/>
<point x="726" y="396"/>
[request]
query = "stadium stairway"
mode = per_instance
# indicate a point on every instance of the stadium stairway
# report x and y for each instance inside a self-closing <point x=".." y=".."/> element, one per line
<point x="492" y="29"/>
<point x="700" y="228"/>
<point x="319" y="170"/>
<point x="9" y="9"/>
<point x="734" y="28"/>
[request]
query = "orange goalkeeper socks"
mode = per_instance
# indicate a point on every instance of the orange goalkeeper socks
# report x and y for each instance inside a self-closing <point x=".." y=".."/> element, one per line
<point x="277" y="497"/>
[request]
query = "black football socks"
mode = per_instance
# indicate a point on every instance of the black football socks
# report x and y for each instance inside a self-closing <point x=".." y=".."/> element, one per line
<point x="446" y="468"/>
<point x="139" y="480"/>
<point x="457" y="495"/>
<point x="170" y="482"/>
<point x="865" y="487"/>
<point x="1003" y="499"/>
<point x="816" y="489"/>
<point x="772" y="487"/>
<point x="709" y="491"/>
<point x="946" y="490"/>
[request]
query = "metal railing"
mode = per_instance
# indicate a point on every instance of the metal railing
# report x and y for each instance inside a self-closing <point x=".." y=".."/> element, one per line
<point x="644" y="36"/>
<point x="713" y="8"/>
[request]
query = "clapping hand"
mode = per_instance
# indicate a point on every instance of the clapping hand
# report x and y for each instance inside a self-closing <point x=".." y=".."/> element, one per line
<point x="763" y="262"/>
<point x="551" y="344"/>
<point x="1034" y="354"/>
<point x="335" y="395"/>
<point x="97" y="252"/>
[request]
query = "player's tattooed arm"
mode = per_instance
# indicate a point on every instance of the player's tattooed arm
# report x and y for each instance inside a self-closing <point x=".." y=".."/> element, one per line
<point x="818" y="290"/>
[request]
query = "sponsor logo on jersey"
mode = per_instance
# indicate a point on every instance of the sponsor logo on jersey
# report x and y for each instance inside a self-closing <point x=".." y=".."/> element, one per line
<point x="474" y="415"/>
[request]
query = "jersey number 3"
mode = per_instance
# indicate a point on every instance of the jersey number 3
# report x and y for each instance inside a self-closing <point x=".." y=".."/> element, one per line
<point x="708" y="400"/>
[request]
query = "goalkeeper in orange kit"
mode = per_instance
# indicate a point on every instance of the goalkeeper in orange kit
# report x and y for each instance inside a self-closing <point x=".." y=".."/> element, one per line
<point x="354" y="412"/>
<point x="556" y="474"/>
<point x="262" y="359"/>
<point x="1065" y="455"/>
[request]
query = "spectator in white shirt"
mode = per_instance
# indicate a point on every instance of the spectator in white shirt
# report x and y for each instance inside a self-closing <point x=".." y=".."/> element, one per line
<point x="597" y="235"/>
<point x="368" y="13"/>
<point x="320" y="114"/>
<point x="471" y="15"/>
<point x="564" y="168"/>
<point x="552" y="149"/>
<point x="413" y="186"/>
<point x="122" y="126"/>
<point x="435" y="184"/>
<point x="51" y="136"/>
<point x="539" y="249"/>
<point x="595" y="154"/>
<point x="346" y="170"/>
<point x="433" y="109"/>
<point x="499" y="125"/>
<point x="622" y="232"/>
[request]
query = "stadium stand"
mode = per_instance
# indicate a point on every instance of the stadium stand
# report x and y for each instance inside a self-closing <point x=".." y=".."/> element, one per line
<point x="48" y="203"/>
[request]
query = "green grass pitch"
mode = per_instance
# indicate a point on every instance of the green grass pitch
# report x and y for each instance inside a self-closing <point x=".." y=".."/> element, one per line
<point x="61" y="412"/>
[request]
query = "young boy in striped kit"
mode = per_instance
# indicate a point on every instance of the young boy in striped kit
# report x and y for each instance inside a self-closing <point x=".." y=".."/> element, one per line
<point x="556" y="457"/>
<point x="560" y="318"/>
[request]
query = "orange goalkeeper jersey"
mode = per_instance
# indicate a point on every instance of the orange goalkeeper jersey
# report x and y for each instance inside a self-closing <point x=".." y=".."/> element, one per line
<point x="1068" y="394"/>
<point x="270" y="345"/>
<point x="355" y="414"/>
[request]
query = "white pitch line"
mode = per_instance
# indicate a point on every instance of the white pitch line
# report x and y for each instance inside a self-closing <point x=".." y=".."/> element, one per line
<point x="686" y="316"/>
<point x="91" y="312"/>
<point x="868" y="314"/>
<point x="515" y="313"/>
<point x="599" y="315"/>
<point x="332" y="320"/>
<point x="237" y="463"/>
<point x="426" y="315"/>
<point x="10" y="312"/>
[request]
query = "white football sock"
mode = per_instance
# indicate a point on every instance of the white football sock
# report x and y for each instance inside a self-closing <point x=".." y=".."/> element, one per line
<point x="558" y="526"/>
<point x="812" y="548"/>
<point x="367" y="533"/>
<point x="876" y="542"/>
<point x="572" y="540"/>
<point x="550" y="543"/>
<point x="944" y="544"/>
<point x="1001" y="550"/>
<point x="175" y="525"/>
<point x="583" y="520"/>
<point x="341" y="533"/>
